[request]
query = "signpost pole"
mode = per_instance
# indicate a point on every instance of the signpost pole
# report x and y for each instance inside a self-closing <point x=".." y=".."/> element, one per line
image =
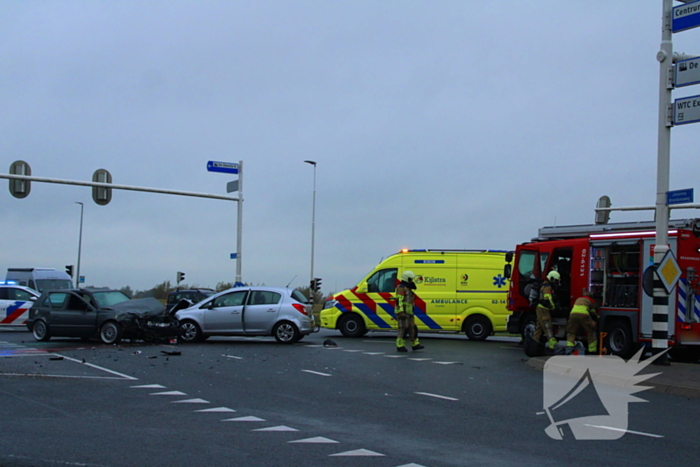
<point x="659" y="333"/>
<point x="239" y="234"/>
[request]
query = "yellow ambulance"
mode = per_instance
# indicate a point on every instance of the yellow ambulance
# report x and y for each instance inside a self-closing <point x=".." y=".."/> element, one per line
<point x="457" y="291"/>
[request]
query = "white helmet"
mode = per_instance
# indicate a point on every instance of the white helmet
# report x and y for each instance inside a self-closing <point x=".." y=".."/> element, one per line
<point x="553" y="276"/>
<point x="406" y="275"/>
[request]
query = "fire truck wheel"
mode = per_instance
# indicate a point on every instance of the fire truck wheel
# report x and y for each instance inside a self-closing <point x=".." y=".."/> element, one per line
<point x="528" y="326"/>
<point x="477" y="328"/>
<point x="352" y="326"/>
<point x="619" y="340"/>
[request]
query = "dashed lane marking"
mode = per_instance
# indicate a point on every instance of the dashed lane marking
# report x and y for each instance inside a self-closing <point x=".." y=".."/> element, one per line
<point x="357" y="452"/>
<point x="446" y="363"/>
<point x="244" y="419"/>
<point x="191" y="401"/>
<point x="148" y="386"/>
<point x="216" y="409"/>
<point x="232" y="356"/>
<point x="374" y="353"/>
<point x="276" y="428"/>
<point x="168" y="393"/>
<point x="316" y="373"/>
<point x="437" y="396"/>
<point x="315" y="440"/>
<point x="352" y="350"/>
<point x="420" y="359"/>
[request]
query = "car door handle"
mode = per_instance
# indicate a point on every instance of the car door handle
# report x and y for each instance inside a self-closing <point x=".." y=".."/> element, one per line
<point x="271" y="310"/>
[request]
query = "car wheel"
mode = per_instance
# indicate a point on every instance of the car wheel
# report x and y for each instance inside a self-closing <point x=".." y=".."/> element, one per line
<point x="352" y="326"/>
<point x="619" y="339"/>
<point x="477" y="328"/>
<point x="285" y="332"/>
<point x="41" y="331"/>
<point x="191" y="332"/>
<point x="110" y="333"/>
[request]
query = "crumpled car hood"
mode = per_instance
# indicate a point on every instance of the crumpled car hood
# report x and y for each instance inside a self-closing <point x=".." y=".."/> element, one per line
<point x="143" y="307"/>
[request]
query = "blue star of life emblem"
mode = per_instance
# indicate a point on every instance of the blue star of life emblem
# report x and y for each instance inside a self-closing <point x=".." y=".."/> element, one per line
<point x="499" y="281"/>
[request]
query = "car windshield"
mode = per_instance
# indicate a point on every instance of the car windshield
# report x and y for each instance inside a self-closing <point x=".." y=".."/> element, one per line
<point x="53" y="284"/>
<point x="109" y="298"/>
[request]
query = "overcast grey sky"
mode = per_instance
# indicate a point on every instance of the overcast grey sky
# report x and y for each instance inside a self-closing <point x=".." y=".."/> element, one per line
<point x="435" y="124"/>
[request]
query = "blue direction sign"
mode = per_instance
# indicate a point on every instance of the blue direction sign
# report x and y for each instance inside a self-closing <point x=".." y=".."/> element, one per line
<point x="679" y="196"/>
<point x="223" y="167"/>
<point x="685" y="16"/>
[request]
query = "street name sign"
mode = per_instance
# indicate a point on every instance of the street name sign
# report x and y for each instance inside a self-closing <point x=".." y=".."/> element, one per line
<point x="223" y="167"/>
<point x="686" y="110"/>
<point x="686" y="72"/>
<point x="685" y="16"/>
<point x="679" y="196"/>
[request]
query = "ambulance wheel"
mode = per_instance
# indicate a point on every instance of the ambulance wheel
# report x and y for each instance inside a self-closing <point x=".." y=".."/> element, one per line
<point x="41" y="331"/>
<point x="352" y="326"/>
<point x="619" y="339"/>
<point x="477" y="328"/>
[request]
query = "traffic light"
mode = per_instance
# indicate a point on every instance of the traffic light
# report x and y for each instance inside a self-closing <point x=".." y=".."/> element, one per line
<point x="180" y="276"/>
<point x="317" y="284"/>
<point x="69" y="270"/>
<point x="312" y="285"/>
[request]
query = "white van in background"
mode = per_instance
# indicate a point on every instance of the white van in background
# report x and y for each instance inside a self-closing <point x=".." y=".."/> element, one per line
<point x="39" y="279"/>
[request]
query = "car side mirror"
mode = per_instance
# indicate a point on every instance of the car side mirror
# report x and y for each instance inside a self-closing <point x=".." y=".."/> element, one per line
<point x="362" y="287"/>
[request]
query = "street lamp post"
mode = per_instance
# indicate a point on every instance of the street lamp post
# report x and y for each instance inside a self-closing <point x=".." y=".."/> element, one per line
<point x="313" y="230"/>
<point x="80" y="245"/>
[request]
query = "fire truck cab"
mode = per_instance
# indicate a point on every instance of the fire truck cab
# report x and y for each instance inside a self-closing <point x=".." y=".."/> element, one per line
<point x="615" y="262"/>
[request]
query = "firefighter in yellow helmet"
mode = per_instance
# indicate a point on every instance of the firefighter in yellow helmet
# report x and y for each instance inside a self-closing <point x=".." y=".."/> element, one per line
<point x="582" y="315"/>
<point x="405" y="297"/>
<point x="544" y="309"/>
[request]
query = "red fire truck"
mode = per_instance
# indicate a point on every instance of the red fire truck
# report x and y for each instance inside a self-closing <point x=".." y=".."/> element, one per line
<point x="614" y="262"/>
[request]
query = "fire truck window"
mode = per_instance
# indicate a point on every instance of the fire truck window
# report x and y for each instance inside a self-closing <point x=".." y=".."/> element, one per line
<point x="561" y="261"/>
<point x="383" y="281"/>
<point x="543" y="263"/>
<point x="526" y="264"/>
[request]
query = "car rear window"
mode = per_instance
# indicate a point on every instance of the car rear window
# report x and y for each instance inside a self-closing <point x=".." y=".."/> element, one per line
<point x="299" y="297"/>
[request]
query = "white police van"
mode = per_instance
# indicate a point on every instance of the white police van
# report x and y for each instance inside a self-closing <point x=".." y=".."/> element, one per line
<point x="15" y="302"/>
<point x="39" y="279"/>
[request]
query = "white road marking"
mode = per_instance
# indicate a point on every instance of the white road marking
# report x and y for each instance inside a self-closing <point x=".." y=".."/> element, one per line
<point x="374" y="353"/>
<point x="149" y="386"/>
<point x="216" y="409"/>
<point x="446" y="363"/>
<point x="625" y="431"/>
<point x="436" y="396"/>
<point x="352" y="350"/>
<point x="411" y="465"/>
<point x="232" y="356"/>
<point x="420" y="359"/>
<point x="191" y="401"/>
<point x="99" y="368"/>
<point x="168" y="393"/>
<point x="395" y="356"/>
<point x="276" y="428"/>
<point x="357" y="452"/>
<point x="316" y="373"/>
<point x="317" y="440"/>
<point x="314" y="345"/>
<point x="244" y="419"/>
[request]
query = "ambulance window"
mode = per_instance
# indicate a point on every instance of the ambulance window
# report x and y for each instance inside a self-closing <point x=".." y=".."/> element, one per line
<point x="383" y="281"/>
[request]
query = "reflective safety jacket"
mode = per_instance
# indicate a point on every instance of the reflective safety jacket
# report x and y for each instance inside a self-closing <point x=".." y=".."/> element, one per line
<point x="583" y="305"/>
<point x="404" y="298"/>
<point x="546" y="298"/>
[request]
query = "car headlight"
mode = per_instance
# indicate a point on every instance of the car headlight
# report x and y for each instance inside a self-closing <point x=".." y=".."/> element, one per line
<point x="330" y="304"/>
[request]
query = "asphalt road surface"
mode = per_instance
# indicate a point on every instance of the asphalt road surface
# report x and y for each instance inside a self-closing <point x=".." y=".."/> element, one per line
<point x="253" y="402"/>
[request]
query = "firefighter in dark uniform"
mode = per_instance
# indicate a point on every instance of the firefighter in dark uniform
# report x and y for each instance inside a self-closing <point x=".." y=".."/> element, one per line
<point x="582" y="315"/>
<point x="405" y="297"/>
<point x="544" y="309"/>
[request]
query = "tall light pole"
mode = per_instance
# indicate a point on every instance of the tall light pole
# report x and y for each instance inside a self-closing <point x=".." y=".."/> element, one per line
<point x="313" y="231"/>
<point x="80" y="245"/>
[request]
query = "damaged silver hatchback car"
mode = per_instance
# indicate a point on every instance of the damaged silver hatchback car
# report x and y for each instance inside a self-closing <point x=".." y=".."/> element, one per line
<point x="109" y="315"/>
